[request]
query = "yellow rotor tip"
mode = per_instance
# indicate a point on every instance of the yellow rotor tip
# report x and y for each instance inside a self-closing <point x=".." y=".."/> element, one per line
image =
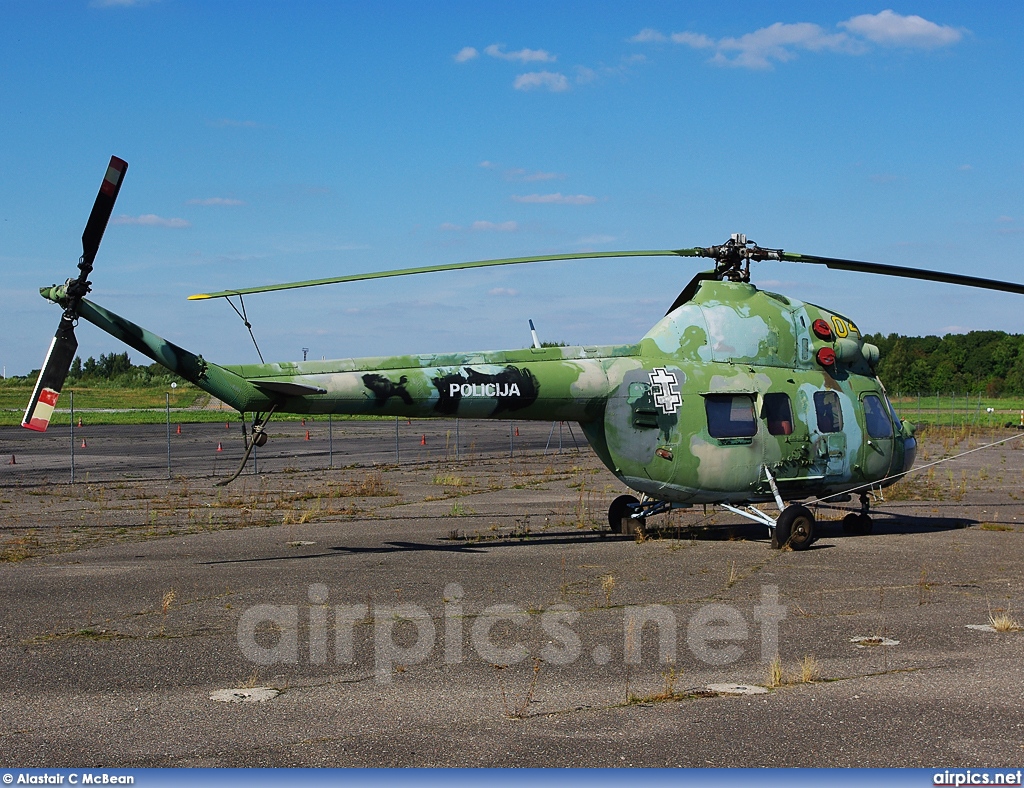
<point x="198" y="297"/>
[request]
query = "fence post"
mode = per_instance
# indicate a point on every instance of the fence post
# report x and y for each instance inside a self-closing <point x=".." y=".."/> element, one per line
<point x="72" y="393"/>
<point x="167" y="394"/>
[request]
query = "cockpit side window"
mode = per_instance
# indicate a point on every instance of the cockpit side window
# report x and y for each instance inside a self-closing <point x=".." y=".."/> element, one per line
<point x="730" y="415"/>
<point x="778" y="412"/>
<point x="895" y="417"/>
<point x="829" y="411"/>
<point x="876" y="418"/>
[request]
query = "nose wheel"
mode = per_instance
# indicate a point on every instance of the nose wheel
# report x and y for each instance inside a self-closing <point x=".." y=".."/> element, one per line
<point x="859" y="524"/>
<point x="620" y="519"/>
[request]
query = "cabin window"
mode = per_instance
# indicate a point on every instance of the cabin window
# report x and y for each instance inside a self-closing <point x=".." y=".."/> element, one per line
<point x="829" y="411"/>
<point x="778" y="413"/>
<point x="730" y="415"/>
<point x="876" y="418"/>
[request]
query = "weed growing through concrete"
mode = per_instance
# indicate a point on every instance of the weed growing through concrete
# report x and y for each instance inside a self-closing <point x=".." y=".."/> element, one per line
<point x="923" y="587"/>
<point x="607" y="586"/>
<point x="809" y="670"/>
<point x="774" y="673"/>
<point x="513" y="707"/>
<point x="165" y="605"/>
<point x="1003" y="622"/>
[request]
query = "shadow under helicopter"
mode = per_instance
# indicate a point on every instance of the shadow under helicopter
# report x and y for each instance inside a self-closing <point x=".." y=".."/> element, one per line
<point x="885" y="524"/>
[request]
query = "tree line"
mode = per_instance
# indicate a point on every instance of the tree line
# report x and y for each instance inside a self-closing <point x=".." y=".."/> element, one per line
<point x="117" y="369"/>
<point x="979" y="362"/>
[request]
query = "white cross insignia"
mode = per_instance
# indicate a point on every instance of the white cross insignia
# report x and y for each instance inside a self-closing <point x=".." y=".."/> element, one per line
<point x="665" y="387"/>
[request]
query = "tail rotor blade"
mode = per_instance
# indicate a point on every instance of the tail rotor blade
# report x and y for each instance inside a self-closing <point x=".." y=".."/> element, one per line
<point x="51" y="377"/>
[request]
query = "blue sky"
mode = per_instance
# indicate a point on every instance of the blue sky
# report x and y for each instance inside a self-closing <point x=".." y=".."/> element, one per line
<point x="270" y="142"/>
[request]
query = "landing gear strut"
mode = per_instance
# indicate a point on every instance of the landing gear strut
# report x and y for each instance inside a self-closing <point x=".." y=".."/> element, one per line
<point x="859" y="524"/>
<point x="259" y="438"/>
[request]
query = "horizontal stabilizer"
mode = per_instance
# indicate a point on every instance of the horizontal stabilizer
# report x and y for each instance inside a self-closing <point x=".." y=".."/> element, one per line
<point x="287" y="388"/>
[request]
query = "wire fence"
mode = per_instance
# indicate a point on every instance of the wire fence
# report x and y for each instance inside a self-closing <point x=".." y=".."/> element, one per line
<point x="81" y="452"/>
<point x="959" y="409"/>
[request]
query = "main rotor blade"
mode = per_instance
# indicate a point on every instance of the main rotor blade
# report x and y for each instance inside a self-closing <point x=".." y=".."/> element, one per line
<point x="101" y="210"/>
<point x="51" y="376"/>
<point x="903" y="271"/>
<point x="426" y="269"/>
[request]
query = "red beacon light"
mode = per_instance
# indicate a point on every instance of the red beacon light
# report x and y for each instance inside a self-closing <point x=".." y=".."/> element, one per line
<point x="822" y="330"/>
<point x="826" y="357"/>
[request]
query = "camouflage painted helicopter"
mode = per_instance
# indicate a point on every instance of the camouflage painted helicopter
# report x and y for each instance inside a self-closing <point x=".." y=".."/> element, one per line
<point x="736" y="397"/>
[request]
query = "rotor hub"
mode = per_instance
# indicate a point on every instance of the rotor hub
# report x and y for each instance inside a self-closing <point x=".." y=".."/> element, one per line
<point x="733" y="258"/>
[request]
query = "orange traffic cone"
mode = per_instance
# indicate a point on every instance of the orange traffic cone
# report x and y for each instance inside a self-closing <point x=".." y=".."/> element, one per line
<point x="79" y="421"/>
<point x="423" y="441"/>
<point x="12" y="462"/>
<point x="219" y="447"/>
<point x="179" y="429"/>
<point x="517" y="432"/>
<point x="83" y="444"/>
<point x="409" y="422"/>
<point x="303" y="422"/>
<point x="307" y="434"/>
<point x="227" y="426"/>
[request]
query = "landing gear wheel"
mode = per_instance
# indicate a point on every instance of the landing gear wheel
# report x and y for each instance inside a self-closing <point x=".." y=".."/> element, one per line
<point x="619" y="519"/>
<point x="795" y="527"/>
<point x="857" y="524"/>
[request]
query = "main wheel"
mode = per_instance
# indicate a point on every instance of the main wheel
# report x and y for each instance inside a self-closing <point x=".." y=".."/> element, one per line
<point x="618" y="516"/>
<point x="857" y="524"/>
<point x="795" y="527"/>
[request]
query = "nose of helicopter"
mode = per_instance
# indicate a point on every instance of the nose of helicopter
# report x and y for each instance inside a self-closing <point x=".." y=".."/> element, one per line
<point x="909" y="452"/>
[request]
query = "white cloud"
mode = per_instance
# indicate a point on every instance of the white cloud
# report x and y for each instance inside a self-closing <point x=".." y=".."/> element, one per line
<point x="518" y="174"/>
<point x="151" y="220"/>
<point x="523" y="55"/>
<point x="503" y="291"/>
<point x="778" y="42"/>
<point x="502" y="227"/>
<point x="647" y="36"/>
<point x="557" y="198"/>
<point x="695" y="40"/>
<point x="214" y="201"/>
<point x="553" y="81"/>
<point x="892" y="29"/>
<point x="781" y="42"/>
<point x="481" y="226"/>
<point x="465" y="54"/>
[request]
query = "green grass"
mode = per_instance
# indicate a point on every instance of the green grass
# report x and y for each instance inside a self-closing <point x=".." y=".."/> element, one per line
<point x="959" y="410"/>
<point x="14" y="395"/>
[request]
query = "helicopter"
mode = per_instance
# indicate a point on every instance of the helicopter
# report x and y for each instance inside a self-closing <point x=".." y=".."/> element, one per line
<point x="737" y="397"/>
